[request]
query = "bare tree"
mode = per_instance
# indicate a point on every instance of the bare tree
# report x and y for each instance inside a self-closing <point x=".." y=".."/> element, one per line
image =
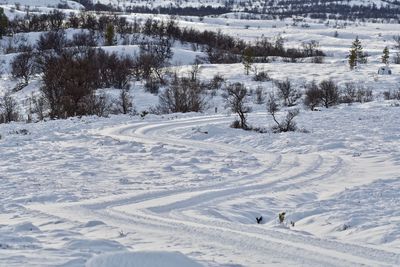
<point x="260" y="76"/>
<point x="364" y="94"/>
<point x="236" y="100"/>
<point x="312" y="95"/>
<point x="182" y="95"/>
<point x="54" y="41"/>
<point x="8" y="109"/>
<point x="152" y="85"/>
<point x="216" y="82"/>
<point x="125" y="102"/>
<point x="68" y="81"/>
<point x="96" y="104"/>
<point x="311" y="48"/>
<point x="288" y="124"/>
<point x="56" y="19"/>
<point x="23" y="66"/>
<point x="329" y="93"/>
<point x="194" y="72"/>
<point x="396" y="58"/>
<point x="82" y="41"/>
<point x="260" y="96"/>
<point x="392" y="94"/>
<point x="154" y="57"/>
<point x="349" y="93"/>
<point x="287" y="92"/>
<point x="39" y="106"/>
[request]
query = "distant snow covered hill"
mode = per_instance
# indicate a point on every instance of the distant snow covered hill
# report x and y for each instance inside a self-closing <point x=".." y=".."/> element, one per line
<point x="42" y="3"/>
<point x="327" y="9"/>
<point x="348" y="9"/>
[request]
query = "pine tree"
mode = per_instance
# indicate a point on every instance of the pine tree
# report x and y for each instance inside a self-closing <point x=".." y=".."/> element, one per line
<point x="385" y="56"/>
<point x="109" y="35"/>
<point x="247" y="59"/>
<point x="361" y="56"/>
<point x="353" y="58"/>
<point x="3" y="23"/>
<point x="356" y="55"/>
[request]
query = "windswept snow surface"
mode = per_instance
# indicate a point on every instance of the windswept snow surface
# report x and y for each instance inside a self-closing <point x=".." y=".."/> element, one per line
<point x="140" y="259"/>
<point x="74" y="191"/>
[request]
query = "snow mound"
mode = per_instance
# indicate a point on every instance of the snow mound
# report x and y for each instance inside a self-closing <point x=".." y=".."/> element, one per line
<point x="93" y="223"/>
<point x="94" y="246"/>
<point x="141" y="259"/>
<point x="25" y="227"/>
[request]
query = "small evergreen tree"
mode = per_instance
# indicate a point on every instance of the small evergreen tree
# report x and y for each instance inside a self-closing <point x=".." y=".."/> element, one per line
<point x="247" y="60"/>
<point x="385" y="56"/>
<point x="352" y="58"/>
<point x="109" y="35"/>
<point x="356" y="55"/>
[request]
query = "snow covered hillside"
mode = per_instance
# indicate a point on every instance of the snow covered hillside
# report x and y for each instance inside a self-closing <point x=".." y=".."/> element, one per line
<point x="332" y="9"/>
<point x="234" y="139"/>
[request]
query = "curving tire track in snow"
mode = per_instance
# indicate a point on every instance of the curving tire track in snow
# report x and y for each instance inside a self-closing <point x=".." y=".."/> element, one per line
<point x="168" y="213"/>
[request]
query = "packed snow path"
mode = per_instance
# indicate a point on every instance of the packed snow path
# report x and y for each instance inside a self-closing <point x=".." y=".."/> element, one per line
<point x="141" y="186"/>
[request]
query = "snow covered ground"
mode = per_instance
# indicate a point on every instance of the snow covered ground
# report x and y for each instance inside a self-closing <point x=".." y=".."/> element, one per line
<point x="186" y="189"/>
<point x="76" y="188"/>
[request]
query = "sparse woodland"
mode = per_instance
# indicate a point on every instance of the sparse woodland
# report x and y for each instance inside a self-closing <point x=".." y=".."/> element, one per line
<point x="73" y="69"/>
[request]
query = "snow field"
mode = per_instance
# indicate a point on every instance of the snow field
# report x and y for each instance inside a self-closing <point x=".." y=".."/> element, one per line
<point x="162" y="184"/>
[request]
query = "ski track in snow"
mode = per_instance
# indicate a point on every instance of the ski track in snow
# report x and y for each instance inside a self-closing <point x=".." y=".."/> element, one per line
<point x="179" y="217"/>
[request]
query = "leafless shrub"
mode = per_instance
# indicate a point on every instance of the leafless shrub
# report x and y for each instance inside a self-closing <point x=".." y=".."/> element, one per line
<point x="349" y="93"/>
<point x="355" y="93"/>
<point x="213" y="85"/>
<point x="182" y="95"/>
<point x="216" y="82"/>
<point x="98" y="104"/>
<point x="125" y="102"/>
<point x="82" y="41"/>
<point x="236" y="100"/>
<point x="70" y="81"/>
<point x="153" y="58"/>
<point x="8" y="109"/>
<point x="52" y="41"/>
<point x="329" y="93"/>
<point x="288" y="124"/>
<point x="312" y="95"/>
<point x="317" y="60"/>
<point x="23" y="66"/>
<point x="261" y="76"/>
<point x="287" y="92"/>
<point x="396" y="58"/>
<point x="392" y="95"/>
<point x="260" y="96"/>
<point x="67" y="83"/>
<point x="17" y="43"/>
<point x="152" y="85"/>
<point x="38" y="106"/>
<point x="195" y="70"/>
<point x="364" y="95"/>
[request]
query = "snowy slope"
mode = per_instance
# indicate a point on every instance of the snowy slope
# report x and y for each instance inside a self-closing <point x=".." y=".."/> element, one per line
<point x="41" y="3"/>
<point x="261" y="6"/>
<point x="94" y="185"/>
<point x="222" y="2"/>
